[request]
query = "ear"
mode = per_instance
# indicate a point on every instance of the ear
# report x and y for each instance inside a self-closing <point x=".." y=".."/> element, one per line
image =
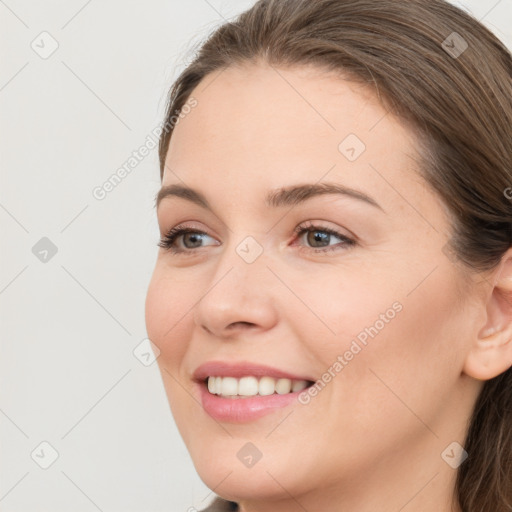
<point x="491" y="352"/>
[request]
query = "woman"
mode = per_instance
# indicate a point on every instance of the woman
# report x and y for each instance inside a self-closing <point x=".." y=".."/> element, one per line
<point x="332" y="298"/>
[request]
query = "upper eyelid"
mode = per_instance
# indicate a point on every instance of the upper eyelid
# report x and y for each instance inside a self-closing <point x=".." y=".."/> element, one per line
<point x="317" y="224"/>
<point x="181" y="229"/>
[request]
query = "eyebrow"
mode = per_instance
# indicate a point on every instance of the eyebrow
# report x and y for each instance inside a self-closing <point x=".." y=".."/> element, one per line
<point x="285" y="196"/>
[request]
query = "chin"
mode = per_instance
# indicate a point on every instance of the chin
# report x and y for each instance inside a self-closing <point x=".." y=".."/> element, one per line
<point x="245" y="484"/>
<point x="220" y="465"/>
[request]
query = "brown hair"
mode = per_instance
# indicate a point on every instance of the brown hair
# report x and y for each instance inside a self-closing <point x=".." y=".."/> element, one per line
<point x="449" y="78"/>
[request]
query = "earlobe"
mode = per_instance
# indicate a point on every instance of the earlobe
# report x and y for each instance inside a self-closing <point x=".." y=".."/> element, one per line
<point x="491" y="353"/>
<point x="488" y="358"/>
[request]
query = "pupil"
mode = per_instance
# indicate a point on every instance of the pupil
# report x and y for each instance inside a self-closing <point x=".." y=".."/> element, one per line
<point x="318" y="236"/>
<point x="192" y="236"/>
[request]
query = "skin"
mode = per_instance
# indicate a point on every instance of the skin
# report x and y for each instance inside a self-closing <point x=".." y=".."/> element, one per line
<point x="372" y="438"/>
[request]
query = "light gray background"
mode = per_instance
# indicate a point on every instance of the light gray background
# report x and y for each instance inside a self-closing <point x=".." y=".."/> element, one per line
<point x="70" y="324"/>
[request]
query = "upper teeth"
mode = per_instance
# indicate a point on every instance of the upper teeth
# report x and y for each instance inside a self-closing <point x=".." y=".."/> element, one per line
<point x="250" y="386"/>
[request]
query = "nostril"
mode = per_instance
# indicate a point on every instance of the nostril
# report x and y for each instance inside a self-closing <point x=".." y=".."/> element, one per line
<point x="238" y="324"/>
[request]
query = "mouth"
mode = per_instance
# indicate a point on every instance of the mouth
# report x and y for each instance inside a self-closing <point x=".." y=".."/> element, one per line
<point x="251" y="386"/>
<point x="244" y="392"/>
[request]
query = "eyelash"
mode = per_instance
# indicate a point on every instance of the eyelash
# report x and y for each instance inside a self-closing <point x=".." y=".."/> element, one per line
<point x="167" y="241"/>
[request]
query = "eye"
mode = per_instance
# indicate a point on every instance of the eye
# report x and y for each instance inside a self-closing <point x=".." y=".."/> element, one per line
<point x="191" y="239"/>
<point x="320" y="237"/>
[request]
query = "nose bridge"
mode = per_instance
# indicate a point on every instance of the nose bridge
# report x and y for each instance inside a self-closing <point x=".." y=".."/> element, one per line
<point x="237" y="291"/>
<point x="243" y="268"/>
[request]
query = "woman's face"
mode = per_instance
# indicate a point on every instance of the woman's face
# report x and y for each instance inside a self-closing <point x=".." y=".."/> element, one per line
<point x="372" y="313"/>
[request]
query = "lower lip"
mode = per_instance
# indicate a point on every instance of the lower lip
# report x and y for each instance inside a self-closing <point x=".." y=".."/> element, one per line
<point x="243" y="410"/>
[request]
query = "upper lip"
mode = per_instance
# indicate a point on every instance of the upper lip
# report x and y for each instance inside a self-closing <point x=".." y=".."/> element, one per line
<point x="243" y="369"/>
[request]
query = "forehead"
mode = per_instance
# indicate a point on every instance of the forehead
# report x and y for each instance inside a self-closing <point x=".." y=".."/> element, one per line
<point x="258" y="127"/>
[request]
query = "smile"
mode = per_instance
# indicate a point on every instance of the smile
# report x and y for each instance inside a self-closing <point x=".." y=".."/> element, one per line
<point x="240" y="392"/>
<point x="250" y="386"/>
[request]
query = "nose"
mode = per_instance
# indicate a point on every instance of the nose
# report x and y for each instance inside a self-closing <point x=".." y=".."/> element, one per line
<point x="239" y="297"/>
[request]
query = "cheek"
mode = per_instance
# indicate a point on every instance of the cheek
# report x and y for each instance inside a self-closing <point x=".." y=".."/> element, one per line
<point x="167" y="311"/>
<point x="389" y="348"/>
<point x="345" y="312"/>
<point x="168" y="325"/>
<point x="387" y="320"/>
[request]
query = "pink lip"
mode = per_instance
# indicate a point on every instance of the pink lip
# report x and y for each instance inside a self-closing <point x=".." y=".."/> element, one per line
<point x="242" y="410"/>
<point x="243" y="369"/>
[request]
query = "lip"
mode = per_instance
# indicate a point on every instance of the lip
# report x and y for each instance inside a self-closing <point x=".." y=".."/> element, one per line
<point x="243" y="410"/>
<point x="243" y="369"/>
<point x="247" y="409"/>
